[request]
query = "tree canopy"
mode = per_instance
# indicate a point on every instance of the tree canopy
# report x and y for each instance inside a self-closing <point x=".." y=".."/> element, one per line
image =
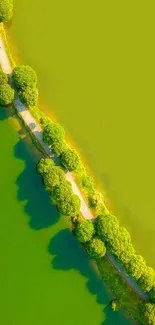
<point x="3" y="77"/>
<point x="96" y="248"/>
<point x="53" y="132"/>
<point x="58" y="147"/>
<point x="29" y="96"/>
<point x="152" y="294"/>
<point x="148" y="313"/>
<point x="85" y="231"/>
<point x="70" y="159"/>
<point x="71" y="207"/>
<point x="24" y="77"/>
<point x="6" y="95"/>
<point x="6" y="10"/>
<point x="147" y="280"/>
<point x="136" y="266"/>
<point x="63" y="192"/>
<point x="53" y="178"/>
<point x="45" y="165"/>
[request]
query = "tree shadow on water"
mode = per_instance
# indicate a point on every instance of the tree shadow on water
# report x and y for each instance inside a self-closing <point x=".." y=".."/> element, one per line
<point x="38" y="204"/>
<point x="69" y="254"/>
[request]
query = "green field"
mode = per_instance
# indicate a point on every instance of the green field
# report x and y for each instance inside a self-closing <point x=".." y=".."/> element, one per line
<point x="45" y="275"/>
<point x="95" y="64"/>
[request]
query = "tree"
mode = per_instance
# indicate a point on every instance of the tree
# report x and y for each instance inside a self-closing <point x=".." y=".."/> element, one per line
<point x="147" y="280"/>
<point x="127" y="254"/>
<point x="136" y="266"/>
<point x="148" y="313"/>
<point x="71" y="207"/>
<point x="53" y="178"/>
<point x="70" y="159"/>
<point x="85" y="231"/>
<point x="24" y="77"/>
<point x="6" y="95"/>
<point x="3" y="77"/>
<point x="63" y="192"/>
<point x="6" y="10"/>
<point x="96" y="248"/>
<point x="58" y="147"/>
<point x="107" y="228"/>
<point x="45" y="165"/>
<point x="29" y="96"/>
<point x="152" y="294"/>
<point x="53" y="132"/>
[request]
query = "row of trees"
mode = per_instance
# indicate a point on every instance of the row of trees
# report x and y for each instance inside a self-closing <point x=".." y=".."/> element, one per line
<point x="25" y="80"/>
<point x="118" y="241"/>
<point x="60" y="189"/>
<point x="6" y="10"/>
<point x="6" y="92"/>
<point x="53" y="135"/>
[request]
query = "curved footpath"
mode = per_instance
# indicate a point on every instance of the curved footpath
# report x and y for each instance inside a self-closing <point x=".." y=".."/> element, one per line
<point x="37" y="131"/>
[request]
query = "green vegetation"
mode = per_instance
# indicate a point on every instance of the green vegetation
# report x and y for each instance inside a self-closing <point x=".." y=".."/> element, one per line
<point x="6" y="95"/>
<point x="24" y="77"/>
<point x="85" y="231"/>
<point x="96" y="248"/>
<point x="4" y="79"/>
<point x="136" y="266"/>
<point x="58" y="147"/>
<point x="148" y="313"/>
<point x="70" y="159"/>
<point x="152" y="294"/>
<point x="61" y="191"/>
<point x="25" y="80"/>
<point x="147" y="280"/>
<point x="115" y="305"/>
<point x="6" y="10"/>
<point x="29" y="96"/>
<point x="53" y="132"/>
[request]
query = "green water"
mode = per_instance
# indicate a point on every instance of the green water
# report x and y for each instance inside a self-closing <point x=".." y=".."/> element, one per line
<point x="96" y="67"/>
<point x="45" y="275"/>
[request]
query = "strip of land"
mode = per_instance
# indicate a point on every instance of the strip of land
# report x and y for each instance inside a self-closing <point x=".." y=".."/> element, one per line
<point x="36" y="130"/>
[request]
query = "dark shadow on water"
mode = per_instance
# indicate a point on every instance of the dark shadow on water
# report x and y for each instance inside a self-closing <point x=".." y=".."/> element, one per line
<point x="38" y="204"/>
<point x="68" y="255"/>
<point x="5" y="112"/>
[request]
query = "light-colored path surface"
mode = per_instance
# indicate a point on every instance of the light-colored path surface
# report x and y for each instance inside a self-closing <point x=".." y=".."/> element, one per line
<point x="36" y="129"/>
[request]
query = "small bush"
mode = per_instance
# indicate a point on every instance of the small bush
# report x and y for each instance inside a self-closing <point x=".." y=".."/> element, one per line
<point x="115" y="305"/>
<point x="6" y="95"/>
<point x="85" y="231"/>
<point x="6" y="10"/>
<point x="70" y="159"/>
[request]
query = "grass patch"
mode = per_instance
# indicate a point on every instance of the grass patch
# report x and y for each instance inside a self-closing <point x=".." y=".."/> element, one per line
<point x="127" y="296"/>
